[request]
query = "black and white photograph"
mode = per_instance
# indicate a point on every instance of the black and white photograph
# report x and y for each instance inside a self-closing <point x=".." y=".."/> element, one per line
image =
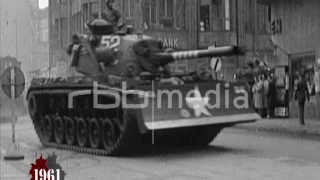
<point x="159" y="89"/>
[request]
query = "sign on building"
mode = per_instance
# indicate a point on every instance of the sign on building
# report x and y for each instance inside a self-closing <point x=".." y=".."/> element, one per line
<point x="62" y="68"/>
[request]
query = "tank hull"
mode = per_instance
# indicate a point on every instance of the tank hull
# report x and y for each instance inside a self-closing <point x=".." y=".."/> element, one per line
<point x="109" y="115"/>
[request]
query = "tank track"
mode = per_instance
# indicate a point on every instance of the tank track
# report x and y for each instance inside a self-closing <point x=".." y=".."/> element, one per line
<point x="48" y="102"/>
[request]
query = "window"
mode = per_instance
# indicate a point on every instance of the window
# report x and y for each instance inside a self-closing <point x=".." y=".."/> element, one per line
<point x="180" y="14"/>
<point x="303" y="64"/>
<point x="205" y="17"/>
<point x="129" y="9"/>
<point x="150" y="14"/>
<point x="165" y="13"/>
<point x="85" y="12"/>
<point x="263" y="19"/>
<point x="63" y="32"/>
<point x="166" y="10"/>
<point x="77" y="23"/>
<point x="55" y="32"/>
<point x="227" y="15"/>
<point x="248" y="18"/>
<point x="42" y="30"/>
<point x="94" y="9"/>
<point x="215" y="15"/>
<point x="159" y="14"/>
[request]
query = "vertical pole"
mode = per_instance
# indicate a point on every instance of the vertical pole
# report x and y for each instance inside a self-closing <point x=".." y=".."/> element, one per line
<point x="237" y="17"/>
<point x="17" y="47"/>
<point x="101" y="8"/>
<point x="254" y="4"/>
<point x="69" y="20"/>
<point x="89" y="10"/>
<point x="12" y="103"/>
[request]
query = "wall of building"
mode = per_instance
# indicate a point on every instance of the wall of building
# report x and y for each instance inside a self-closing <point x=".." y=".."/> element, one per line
<point x="1" y="24"/>
<point x="245" y="23"/>
<point x="166" y="20"/>
<point x="299" y="24"/>
<point x="181" y="25"/>
<point x="40" y="41"/>
<point x="296" y="35"/>
<point x="59" y="36"/>
<point x="15" y="30"/>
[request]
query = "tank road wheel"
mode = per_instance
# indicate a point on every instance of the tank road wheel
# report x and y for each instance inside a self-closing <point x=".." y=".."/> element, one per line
<point x="82" y="132"/>
<point x="70" y="131"/>
<point x="59" y="130"/>
<point x="117" y="142"/>
<point x="47" y="128"/>
<point x="119" y="124"/>
<point x="94" y="133"/>
<point x="32" y="107"/>
<point x="108" y="135"/>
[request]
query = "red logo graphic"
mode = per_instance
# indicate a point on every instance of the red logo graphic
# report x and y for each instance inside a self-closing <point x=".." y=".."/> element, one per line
<point x="47" y="169"/>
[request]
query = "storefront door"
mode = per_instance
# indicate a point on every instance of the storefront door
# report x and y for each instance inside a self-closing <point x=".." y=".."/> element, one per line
<point x="303" y="63"/>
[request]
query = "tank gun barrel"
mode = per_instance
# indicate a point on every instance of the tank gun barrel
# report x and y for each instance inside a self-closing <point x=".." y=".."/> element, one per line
<point x="218" y="51"/>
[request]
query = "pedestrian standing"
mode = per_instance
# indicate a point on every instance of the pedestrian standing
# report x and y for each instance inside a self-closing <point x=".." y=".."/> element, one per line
<point x="265" y="96"/>
<point x="317" y="87"/>
<point x="272" y="97"/>
<point x="317" y="79"/>
<point x="301" y="95"/>
<point x="258" y="95"/>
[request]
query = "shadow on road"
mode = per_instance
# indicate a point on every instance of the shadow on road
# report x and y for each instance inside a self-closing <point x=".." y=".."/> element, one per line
<point x="158" y="150"/>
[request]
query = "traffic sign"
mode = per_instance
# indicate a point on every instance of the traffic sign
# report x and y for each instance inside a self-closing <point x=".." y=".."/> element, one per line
<point x="13" y="84"/>
<point x="216" y="64"/>
<point x="19" y="81"/>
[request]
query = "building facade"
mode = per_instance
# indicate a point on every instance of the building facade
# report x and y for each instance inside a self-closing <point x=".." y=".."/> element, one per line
<point x="179" y="24"/>
<point x="40" y="41"/>
<point x="15" y="30"/>
<point x="58" y="36"/>
<point x="295" y="36"/>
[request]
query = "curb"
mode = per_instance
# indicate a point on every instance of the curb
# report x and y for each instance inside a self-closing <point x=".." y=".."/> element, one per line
<point x="278" y="130"/>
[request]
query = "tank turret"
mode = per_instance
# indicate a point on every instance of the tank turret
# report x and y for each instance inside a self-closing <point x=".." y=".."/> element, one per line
<point x="125" y="53"/>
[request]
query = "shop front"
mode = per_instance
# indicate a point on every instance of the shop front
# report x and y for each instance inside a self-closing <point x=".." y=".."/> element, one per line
<point x="305" y="64"/>
<point x="282" y="84"/>
<point x="296" y="38"/>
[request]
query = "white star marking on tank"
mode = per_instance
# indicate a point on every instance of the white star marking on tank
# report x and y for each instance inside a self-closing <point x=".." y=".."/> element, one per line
<point x="198" y="103"/>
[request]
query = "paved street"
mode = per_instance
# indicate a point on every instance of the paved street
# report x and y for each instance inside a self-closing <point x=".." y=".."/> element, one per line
<point x="235" y="154"/>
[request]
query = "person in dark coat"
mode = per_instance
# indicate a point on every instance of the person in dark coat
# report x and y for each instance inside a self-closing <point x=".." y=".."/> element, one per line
<point x="75" y="41"/>
<point x="112" y="15"/>
<point x="301" y="95"/>
<point x="272" y="96"/>
<point x="266" y="85"/>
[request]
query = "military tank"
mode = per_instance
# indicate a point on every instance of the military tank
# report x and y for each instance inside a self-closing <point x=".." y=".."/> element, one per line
<point x="127" y="95"/>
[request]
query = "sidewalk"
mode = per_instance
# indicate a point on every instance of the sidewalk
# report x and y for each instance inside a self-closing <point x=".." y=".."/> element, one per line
<point x="9" y="171"/>
<point x="289" y="126"/>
